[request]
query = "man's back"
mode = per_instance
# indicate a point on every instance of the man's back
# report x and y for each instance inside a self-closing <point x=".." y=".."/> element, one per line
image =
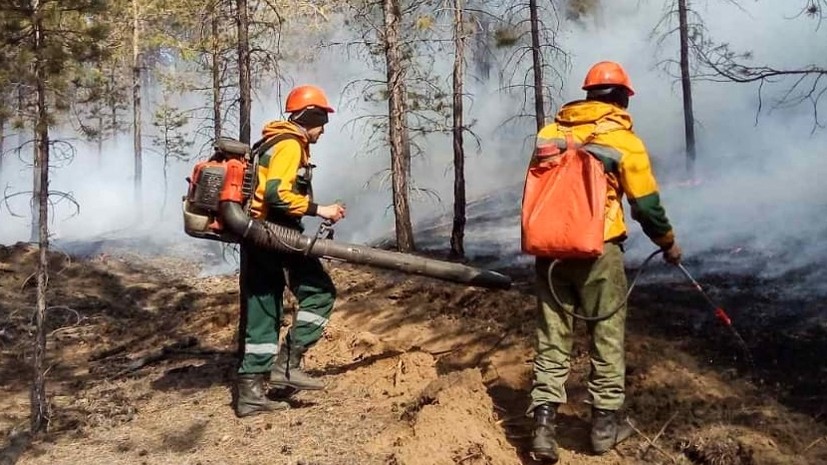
<point x="608" y="135"/>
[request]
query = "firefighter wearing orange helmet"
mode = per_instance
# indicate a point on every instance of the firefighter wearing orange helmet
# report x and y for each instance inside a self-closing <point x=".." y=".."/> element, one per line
<point x="594" y="288"/>
<point x="284" y="195"/>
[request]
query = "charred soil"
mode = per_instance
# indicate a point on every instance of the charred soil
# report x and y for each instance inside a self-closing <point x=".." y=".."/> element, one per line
<point x="142" y="358"/>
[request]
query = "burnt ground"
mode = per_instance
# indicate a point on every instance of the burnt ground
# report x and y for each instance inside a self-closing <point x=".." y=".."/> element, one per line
<point x="141" y="359"/>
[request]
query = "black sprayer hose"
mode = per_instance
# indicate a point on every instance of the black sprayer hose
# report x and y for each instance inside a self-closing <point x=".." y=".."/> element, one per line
<point x="616" y="309"/>
<point x="282" y="239"/>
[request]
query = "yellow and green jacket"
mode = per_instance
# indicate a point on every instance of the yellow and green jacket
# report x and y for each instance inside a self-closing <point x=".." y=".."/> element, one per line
<point x="607" y="133"/>
<point x="283" y="192"/>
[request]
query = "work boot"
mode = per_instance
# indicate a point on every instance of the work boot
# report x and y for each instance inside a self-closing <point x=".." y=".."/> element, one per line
<point x="251" y="398"/>
<point x="287" y="371"/>
<point x="608" y="430"/>
<point x="543" y="445"/>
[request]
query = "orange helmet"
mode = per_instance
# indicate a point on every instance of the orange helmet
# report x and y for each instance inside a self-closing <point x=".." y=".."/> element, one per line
<point x="302" y="97"/>
<point x="608" y="73"/>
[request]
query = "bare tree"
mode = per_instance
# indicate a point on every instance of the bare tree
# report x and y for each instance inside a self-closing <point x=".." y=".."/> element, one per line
<point x="531" y="28"/>
<point x="690" y="27"/>
<point x="39" y="406"/>
<point x="458" y="229"/>
<point x="3" y="120"/>
<point x="136" y="100"/>
<point x="398" y="128"/>
<point x="806" y="84"/>
<point x="34" y="226"/>
<point x="244" y="84"/>
<point x="216" y="65"/>
<point x="686" y="87"/>
<point x="537" y="65"/>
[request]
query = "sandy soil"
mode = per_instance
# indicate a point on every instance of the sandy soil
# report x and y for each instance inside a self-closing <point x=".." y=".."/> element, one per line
<point x="418" y="371"/>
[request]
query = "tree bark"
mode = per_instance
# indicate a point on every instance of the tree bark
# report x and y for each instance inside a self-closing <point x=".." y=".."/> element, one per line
<point x="537" y="63"/>
<point x="244" y="85"/>
<point x="34" y="230"/>
<point x="166" y="165"/>
<point x="686" y="86"/>
<point x="21" y="104"/>
<point x="2" y="143"/>
<point x="216" y="73"/>
<point x="39" y="406"/>
<point x="113" y="101"/>
<point x="458" y="230"/>
<point x="99" y="138"/>
<point x="136" y="101"/>
<point x="397" y="127"/>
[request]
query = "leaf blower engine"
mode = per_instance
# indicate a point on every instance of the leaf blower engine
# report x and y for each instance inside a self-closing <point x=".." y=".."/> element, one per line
<point x="228" y="176"/>
<point x="217" y="207"/>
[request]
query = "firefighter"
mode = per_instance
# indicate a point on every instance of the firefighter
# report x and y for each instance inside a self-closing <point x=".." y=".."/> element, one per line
<point x="593" y="287"/>
<point x="284" y="195"/>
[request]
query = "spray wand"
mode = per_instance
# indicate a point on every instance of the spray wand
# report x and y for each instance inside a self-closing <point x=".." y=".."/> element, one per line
<point x="720" y="314"/>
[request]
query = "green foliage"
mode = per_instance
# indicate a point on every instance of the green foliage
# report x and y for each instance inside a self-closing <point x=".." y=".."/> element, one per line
<point x="170" y="138"/>
<point x="72" y="38"/>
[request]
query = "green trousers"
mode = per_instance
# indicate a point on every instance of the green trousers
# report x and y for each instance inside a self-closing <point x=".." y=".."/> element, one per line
<point x="585" y="287"/>
<point x="262" y="282"/>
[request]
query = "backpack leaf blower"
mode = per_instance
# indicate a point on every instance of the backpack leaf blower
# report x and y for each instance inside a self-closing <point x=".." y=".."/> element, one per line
<point x="217" y="203"/>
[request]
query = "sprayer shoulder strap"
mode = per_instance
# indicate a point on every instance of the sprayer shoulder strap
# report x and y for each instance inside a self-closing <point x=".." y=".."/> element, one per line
<point x="264" y="144"/>
<point x="601" y="128"/>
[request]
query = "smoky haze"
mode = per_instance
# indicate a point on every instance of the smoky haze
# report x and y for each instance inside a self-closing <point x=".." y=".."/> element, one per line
<point x="757" y="206"/>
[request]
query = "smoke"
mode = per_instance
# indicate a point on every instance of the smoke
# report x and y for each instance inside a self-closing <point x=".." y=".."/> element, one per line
<point x="758" y="174"/>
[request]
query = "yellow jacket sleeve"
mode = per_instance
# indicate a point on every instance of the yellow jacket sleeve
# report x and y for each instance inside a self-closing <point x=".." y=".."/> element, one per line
<point x="639" y="184"/>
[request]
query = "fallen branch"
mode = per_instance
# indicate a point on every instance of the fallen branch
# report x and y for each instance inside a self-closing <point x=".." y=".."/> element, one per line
<point x="109" y="352"/>
<point x="26" y="281"/>
<point x="813" y="444"/>
<point x="657" y="447"/>
<point x="157" y="356"/>
<point x="657" y="436"/>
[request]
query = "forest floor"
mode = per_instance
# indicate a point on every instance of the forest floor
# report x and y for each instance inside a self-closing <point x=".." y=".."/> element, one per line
<point x="141" y="357"/>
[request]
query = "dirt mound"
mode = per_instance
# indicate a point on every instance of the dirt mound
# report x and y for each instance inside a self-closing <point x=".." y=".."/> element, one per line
<point x="452" y="422"/>
<point x="142" y="356"/>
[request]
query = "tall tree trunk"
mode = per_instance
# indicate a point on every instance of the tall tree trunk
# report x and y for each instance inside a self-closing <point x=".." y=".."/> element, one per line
<point x="166" y="185"/>
<point x="136" y="101"/>
<point x="21" y="104"/>
<point x="101" y="120"/>
<point x="100" y="138"/>
<point x="537" y="64"/>
<point x="216" y="73"/>
<point x="686" y="86"/>
<point x="2" y="142"/>
<point x="34" y="229"/>
<point x="397" y="127"/>
<point x="39" y="407"/>
<point x="113" y="102"/>
<point x="458" y="231"/>
<point x="244" y="85"/>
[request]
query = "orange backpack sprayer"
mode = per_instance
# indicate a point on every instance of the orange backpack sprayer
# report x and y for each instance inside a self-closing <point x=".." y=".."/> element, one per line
<point x="564" y="202"/>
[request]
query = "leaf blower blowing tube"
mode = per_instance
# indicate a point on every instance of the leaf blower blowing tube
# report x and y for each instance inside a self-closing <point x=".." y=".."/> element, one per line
<point x="275" y="237"/>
